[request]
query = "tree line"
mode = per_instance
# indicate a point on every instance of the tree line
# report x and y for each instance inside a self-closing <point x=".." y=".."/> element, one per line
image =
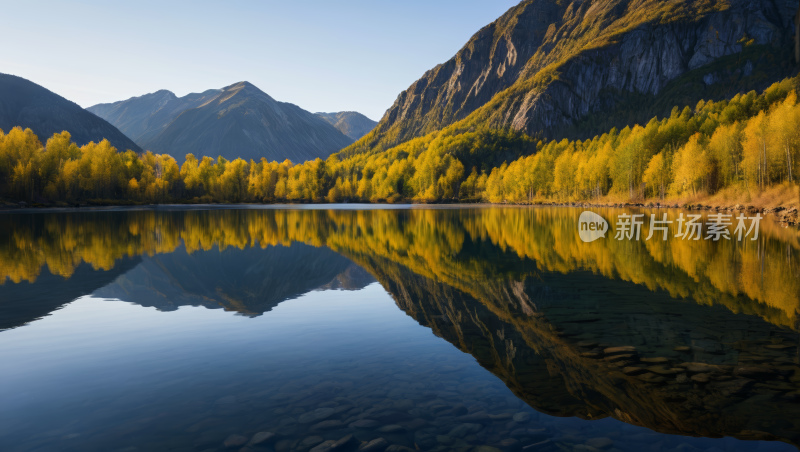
<point x="751" y="141"/>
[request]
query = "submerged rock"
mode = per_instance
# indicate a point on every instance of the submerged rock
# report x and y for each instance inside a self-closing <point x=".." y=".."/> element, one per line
<point x="600" y="443"/>
<point x="324" y="446"/>
<point x="344" y="442"/>
<point x="474" y="417"/>
<point x="424" y="439"/>
<point x="316" y="415"/>
<point x="485" y="449"/>
<point x="392" y="428"/>
<point x="234" y="441"/>
<point x="311" y="441"/>
<point x="522" y="417"/>
<point x="399" y="448"/>
<point x="328" y="425"/>
<point x="376" y="445"/>
<point x="261" y="437"/>
<point x="365" y="423"/>
<point x="623" y="349"/>
<point x="464" y="430"/>
<point x="700" y="378"/>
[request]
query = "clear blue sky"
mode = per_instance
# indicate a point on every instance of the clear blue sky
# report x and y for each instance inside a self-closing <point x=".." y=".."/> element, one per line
<point x="321" y="55"/>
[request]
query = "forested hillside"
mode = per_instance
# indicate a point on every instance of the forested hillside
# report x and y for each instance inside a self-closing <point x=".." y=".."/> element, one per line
<point x="751" y="141"/>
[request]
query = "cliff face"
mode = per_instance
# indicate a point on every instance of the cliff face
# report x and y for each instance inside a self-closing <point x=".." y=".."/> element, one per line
<point x="543" y="65"/>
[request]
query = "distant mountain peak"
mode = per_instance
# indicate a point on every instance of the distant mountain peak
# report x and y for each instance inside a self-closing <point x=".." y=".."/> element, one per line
<point x="243" y="89"/>
<point x="351" y="123"/>
<point x="239" y="120"/>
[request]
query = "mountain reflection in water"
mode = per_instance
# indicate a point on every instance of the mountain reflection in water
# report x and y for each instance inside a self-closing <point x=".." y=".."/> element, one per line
<point x="682" y="337"/>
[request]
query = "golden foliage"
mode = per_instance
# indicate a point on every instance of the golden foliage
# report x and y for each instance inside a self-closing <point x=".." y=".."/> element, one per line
<point x="464" y="248"/>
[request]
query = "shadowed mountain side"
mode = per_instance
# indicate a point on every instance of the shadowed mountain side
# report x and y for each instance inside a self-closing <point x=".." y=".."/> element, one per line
<point x="250" y="281"/>
<point x="351" y="123"/>
<point x="243" y="121"/>
<point x="28" y="105"/>
<point x="681" y="368"/>
<point x="24" y="302"/>
<point x="143" y="118"/>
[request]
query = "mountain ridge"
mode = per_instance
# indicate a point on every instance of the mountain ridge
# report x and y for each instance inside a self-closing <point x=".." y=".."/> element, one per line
<point x="245" y="122"/>
<point x="163" y="106"/>
<point x="148" y="120"/>
<point x="29" y="105"/>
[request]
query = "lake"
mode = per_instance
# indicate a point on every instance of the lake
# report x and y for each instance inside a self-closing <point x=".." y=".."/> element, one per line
<point x="395" y="329"/>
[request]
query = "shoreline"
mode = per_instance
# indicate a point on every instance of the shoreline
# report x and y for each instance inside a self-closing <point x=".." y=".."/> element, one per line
<point x="782" y="214"/>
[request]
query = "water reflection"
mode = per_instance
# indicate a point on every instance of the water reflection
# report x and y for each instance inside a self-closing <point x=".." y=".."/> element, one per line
<point x="250" y="281"/>
<point x="684" y="338"/>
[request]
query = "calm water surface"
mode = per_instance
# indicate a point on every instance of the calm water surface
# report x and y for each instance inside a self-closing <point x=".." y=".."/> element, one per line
<point x="391" y="330"/>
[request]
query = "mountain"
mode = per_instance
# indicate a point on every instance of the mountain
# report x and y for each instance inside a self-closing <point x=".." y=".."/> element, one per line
<point x="544" y="65"/>
<point x="142" y="118"/>
<point x="351" y="123"/>
<point x="28" y="105"/>
<point x="239" y="120"/>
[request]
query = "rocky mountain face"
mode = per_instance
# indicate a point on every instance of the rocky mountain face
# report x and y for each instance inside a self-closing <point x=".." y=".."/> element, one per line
<point x="143" y="118"/>
<point x="28" y="105"/>
<point x="351" y="123"/>
<point x="544" y="64"/>
<point x="239" y="120"/>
